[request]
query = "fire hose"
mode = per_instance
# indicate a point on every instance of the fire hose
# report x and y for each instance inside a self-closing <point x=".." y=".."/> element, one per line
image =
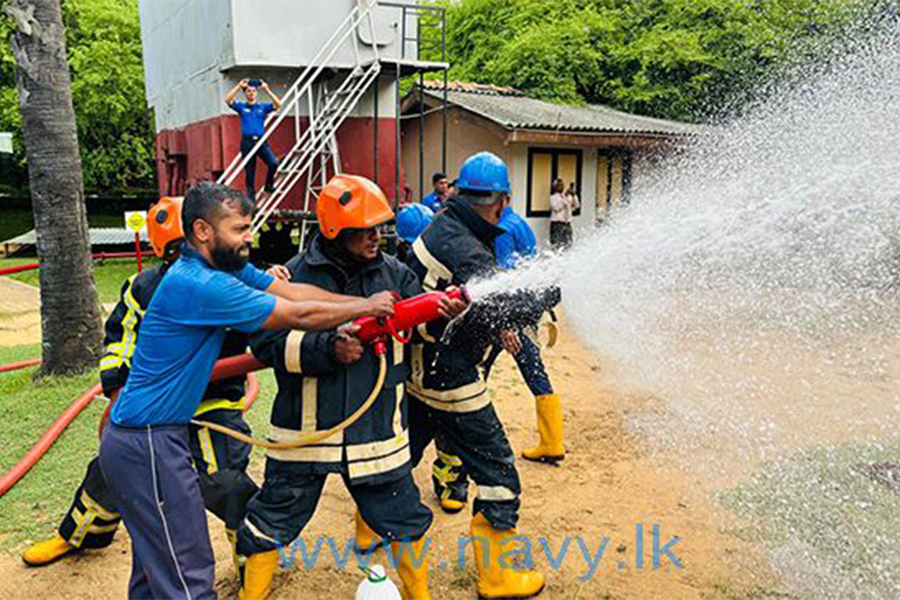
<point x="319" y="435"/>
<point x="408" y="314"/>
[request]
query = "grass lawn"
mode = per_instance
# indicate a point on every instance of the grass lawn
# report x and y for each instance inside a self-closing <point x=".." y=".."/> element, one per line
<point x="109" y="273"/>
<point x="832" y="529"/>
<point x="32" y="509"/>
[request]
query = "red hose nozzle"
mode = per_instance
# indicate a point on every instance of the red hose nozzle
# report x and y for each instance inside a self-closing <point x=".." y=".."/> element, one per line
<point x="408" y="314"/>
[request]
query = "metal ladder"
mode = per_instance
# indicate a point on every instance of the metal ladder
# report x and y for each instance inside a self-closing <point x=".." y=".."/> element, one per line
<point x="314" y="152"/>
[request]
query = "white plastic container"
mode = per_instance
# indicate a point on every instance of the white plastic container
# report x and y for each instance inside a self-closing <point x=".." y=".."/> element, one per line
<point x="377" y="585"/>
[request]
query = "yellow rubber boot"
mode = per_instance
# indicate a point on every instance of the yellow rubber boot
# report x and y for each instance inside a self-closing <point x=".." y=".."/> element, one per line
<point x="412" y="566"/>
<point x="366" y="539"/>
<point x="494" y="579"/>
<point x="46" y="552"/>
<point x="445" y="475"/>
<point x="451" y="506"/>
<point x="550" y="427"/>
<point x="259" y="571"/>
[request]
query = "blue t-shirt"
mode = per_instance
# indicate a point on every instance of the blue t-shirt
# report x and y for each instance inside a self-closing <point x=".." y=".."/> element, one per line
<point x="432" y="201"/>
<point x="253" y="116"/>
<point x="518" y="242"/>
<point x="181" y="337"/>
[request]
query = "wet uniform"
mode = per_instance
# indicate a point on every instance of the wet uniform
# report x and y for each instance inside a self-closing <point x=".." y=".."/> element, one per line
<point x="449" y="400"/>
<point x="316" y="392"/>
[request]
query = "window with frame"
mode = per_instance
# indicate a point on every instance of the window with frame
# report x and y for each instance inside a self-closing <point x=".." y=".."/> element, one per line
<point x="613" y="182"/>
<point x="546" y="165"/>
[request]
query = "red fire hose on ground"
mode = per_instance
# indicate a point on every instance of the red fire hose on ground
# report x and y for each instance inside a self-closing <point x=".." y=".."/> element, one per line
<point x="408" y="314"/>
<point x="19" y="365"/>
<point x="40" y="448"/>
<point x="100" y="255"/>
<point x="232" y="366"/>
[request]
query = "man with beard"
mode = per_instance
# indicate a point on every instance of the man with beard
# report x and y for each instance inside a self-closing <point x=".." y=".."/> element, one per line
<point x="93" y="518"/>
<point x="323" y="378"/>
<point x="145" y="453"/>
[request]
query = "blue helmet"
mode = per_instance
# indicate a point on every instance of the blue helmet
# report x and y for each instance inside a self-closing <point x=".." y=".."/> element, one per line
<point x="412" y="221"/>
<point x="484" y="172"/>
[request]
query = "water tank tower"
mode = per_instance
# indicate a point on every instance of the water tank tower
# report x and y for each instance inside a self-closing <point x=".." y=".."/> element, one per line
<point x="337" y="64"/>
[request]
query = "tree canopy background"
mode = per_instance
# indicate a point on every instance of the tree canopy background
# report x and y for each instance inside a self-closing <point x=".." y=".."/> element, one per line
<point x="115" y="127"/>
<point x="678" y="59"/>
<point x="681" y="59"/>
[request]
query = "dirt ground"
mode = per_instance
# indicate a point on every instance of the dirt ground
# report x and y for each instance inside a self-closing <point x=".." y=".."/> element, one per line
<point x="609" y="483"/>
<point x="20" y="318"/>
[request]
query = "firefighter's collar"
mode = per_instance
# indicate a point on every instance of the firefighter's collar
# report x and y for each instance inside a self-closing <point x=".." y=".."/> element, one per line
<point x="483" y="230"/>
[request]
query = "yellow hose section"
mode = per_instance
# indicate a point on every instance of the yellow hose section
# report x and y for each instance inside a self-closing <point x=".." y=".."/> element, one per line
<point x="313" y="438"/>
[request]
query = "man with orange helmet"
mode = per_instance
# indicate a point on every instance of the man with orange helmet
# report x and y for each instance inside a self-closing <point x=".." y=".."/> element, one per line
<point x="323" y="378"/>
<point x="221" y="461"/>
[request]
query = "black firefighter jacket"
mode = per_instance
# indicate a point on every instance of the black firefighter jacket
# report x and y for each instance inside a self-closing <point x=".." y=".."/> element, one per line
<point x="316" y="392"/>
<point x="458" y="247"/>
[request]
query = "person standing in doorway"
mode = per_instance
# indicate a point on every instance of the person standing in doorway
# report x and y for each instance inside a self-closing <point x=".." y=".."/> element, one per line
<point x="562" y="206"/>
<point x="253" y="120"/>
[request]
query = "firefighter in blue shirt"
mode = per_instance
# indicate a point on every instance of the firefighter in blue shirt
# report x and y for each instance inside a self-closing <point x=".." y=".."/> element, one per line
<point x="145" y="452"/>
<point x="435" y="200"/>
<point x="517" y="244"/>
<point x="93" y="518"/>
<point x="253" y="120"/>
<point x="411" y="222"/>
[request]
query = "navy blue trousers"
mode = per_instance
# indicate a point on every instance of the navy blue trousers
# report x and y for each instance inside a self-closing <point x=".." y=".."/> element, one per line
<point x="158" y="493"/>
<point x="268" y="157"/>
<point x="290" y="493"/>
<point x="449" y="472"/>
<point x="480" y="442"/>
<point x="530" y="364"/>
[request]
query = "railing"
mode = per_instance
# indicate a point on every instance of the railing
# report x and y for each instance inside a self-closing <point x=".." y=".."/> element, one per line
<point x="302" y="87"/>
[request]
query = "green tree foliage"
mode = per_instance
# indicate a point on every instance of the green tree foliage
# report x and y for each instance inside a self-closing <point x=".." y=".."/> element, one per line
<point x="115" y="127"/>
<point x="668" y="58"/>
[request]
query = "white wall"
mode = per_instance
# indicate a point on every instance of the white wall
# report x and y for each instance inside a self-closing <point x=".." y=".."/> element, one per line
<point x="196" y="50"/>
<point x="184" y="44"/>
<point x="582" y="224"/>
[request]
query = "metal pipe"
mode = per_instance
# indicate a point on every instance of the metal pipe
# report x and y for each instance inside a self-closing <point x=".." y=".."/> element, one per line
<point x="375" y="128"/>
<point x="101" y="255"/>
<point x="20" y="268"/>
<point x="444" y="116"/>
<point x="421" y="135"/>
<point x="397" y="142"/>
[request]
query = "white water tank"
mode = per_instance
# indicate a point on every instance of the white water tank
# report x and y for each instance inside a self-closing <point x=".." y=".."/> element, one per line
<point x="195" y="50"/>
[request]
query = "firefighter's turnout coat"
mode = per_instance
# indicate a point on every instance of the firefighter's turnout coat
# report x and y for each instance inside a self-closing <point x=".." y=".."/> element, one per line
<point x="316" y="392"/>
<point x="458" y="247"/>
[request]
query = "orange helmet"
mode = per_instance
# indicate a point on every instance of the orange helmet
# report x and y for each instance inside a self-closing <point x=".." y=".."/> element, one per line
<point x="351" y="202"/>
<point x="164" y="227"/>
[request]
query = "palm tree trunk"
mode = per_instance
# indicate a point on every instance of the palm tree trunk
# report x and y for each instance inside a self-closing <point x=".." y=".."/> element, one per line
<point x="70" y="315"/>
